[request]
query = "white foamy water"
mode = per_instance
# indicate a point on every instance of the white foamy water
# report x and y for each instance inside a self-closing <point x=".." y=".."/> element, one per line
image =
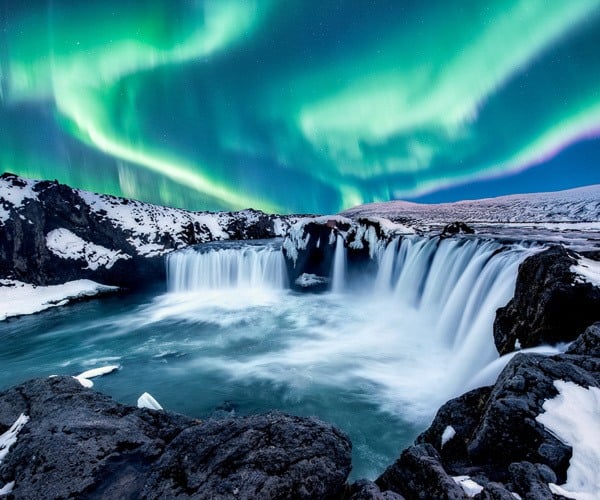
<point x="377" y="358"/>
<point x="406" y="344"/>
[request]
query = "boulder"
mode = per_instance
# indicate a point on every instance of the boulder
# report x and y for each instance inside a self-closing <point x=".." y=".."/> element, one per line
<point x="496" y="439"/>
<point x="456" y="228"/>
<point x="79" y="443"/>
<point x="551" y="303"/>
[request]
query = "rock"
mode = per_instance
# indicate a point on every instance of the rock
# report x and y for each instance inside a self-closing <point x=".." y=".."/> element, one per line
<point x="588" y="343"/>
<point x="456" y="228"/>
<point x="139" y="233"/>
<point x="498" y="442"/>
<point x="368" y="490"/>
<point x="309" y="250"/>
<point x="79" y="443"/>
<point x="419" y="474"/>
<point x="550" y="304"/>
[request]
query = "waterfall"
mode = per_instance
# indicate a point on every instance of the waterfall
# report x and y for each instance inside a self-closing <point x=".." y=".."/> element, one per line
<point x="338" y="281"/>
<point x="218" y="268"/>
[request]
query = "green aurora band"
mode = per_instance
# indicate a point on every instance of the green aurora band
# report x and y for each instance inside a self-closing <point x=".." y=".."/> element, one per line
<point x="297" y="106"/>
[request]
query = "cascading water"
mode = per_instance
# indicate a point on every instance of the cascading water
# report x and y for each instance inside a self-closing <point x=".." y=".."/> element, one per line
<point x="218" y="268"/>
<point x="338" y="281"/>
<point x="376" y="360"/>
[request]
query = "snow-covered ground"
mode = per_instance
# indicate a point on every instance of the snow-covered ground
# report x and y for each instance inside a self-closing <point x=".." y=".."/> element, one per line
<point x="18" y="298"/>
<point x="573" y="205"/>
<point x="67" y="245"/>
<point x="573" y="417"/>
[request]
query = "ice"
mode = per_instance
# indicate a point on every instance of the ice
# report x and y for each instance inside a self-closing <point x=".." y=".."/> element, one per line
<point x="573" y="416"/>
<point x="448" y="434"/>
<point x="18" y="298"/>
<point x="7" y="488"/>
<point x="84" y="377"/>
<point x="67" y="245"/>
<point x="470" y="487"/>
<point x="147" y="401"/>
<point x="98" y="372"/>
<point x="10" y="436"/>
<point x="588" y="270"/>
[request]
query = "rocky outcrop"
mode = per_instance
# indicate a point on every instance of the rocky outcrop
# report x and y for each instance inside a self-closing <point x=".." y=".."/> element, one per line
<point x="492" y="435"/>
<point x="457" y="228"/>
<point x="50" y="234"/>
<point x="79" y="443"/>
<point x="551" y="303"/>
<point x="309" y="248"/>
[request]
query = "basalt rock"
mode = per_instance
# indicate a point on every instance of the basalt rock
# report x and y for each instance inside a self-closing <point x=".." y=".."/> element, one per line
<point x="140" y="233"/>
<point x="81" y="444"/>
<point x="550" y="305"/>
<point x="457" y="228"/>
<point x="497" y="440"/>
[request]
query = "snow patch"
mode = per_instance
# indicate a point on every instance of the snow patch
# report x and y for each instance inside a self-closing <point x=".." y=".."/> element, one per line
<point x="6" y="441"/>
<point x="573" y="416"/>
<point x="13" y="195"/>
<point x="470" y="487"/>
<point x="147" y="401"/>
<point x="18" y="298"/>
<point x="67" y="245"/>
<point x="10" y="436"/>
<point x="448" y="434"/>
<point x="588" y="270"/>
<point x="7" y="488"/>
<point x="84" y="377"/>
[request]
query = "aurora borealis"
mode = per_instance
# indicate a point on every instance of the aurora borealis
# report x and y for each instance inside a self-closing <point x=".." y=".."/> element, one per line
<point x="303" y="105"/>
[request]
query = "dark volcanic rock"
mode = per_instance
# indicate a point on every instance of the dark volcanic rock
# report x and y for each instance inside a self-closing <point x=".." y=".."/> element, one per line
<point x="368" y="490"/>
<point x="310" y="253"/>
<point x="498" y="441"/>
<point x="419" y="474"/>
<point x="79" y="443"/>
<point x="550" y="304"/>
<point x="48" y="206"/>
<point x="457" y="228"/>
<point x="588" y="343"/>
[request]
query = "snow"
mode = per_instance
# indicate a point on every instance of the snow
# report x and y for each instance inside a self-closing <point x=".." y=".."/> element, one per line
<point x="7" y="488"/>
<point x="470" y="487"/>
<point x="573" y="417"/>
<point x="448" y="434"/>
<point x="84" y="382"/>
<point x="145" y="223"/>
<point x="574" y="205"/>
<point x="10" y="436"/>
<point x="84" y="377"/>
<point x="147" y="401"/>
<point x="307" y="279"/>
<point x="588" y="270"/>
<point x="67" y="245"/>
<point x="6" y="441"/>
<point x="98" y="372"/>
<point x="18" y="298"/>
<point x="13" y="195"/>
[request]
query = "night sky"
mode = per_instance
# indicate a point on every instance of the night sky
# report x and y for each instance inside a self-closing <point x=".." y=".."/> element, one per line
<point x="301" y="105"/>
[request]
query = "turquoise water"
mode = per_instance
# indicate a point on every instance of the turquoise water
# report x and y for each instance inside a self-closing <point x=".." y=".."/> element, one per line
<point x="196" y="365"/>
<point x="376" y="358"/>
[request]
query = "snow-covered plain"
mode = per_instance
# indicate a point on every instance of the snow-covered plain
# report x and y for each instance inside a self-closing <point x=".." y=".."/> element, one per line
<point x="573" y="416"/>
<point x="18" y="298"/>
<point x="573" y="205"/>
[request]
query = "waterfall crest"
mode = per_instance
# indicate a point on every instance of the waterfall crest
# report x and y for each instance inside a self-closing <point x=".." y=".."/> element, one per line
<point x="219" y="268"/>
